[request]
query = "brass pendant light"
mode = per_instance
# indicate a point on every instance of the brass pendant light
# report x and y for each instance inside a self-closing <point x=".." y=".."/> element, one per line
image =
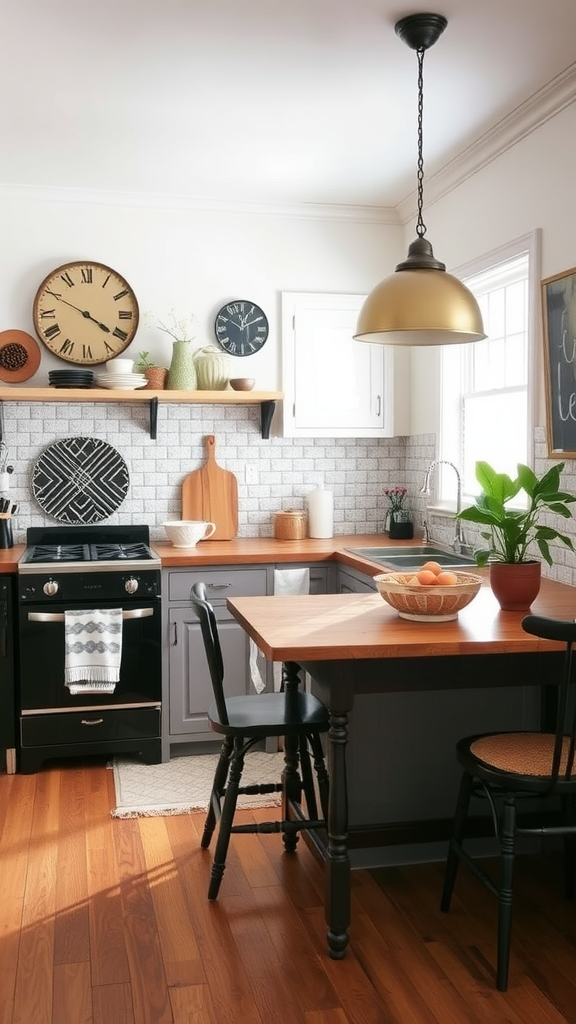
<point x="420" y="304"/>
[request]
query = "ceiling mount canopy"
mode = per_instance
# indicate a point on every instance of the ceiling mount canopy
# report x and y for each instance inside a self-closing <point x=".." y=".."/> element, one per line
<point x="420" y="304"/>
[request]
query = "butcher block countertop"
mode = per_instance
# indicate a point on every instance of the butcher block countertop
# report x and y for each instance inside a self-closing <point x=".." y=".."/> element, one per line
<point x="251" y="551"/>
<point x="267" y="550"/>
<point x="480" y="623"/>
<point x="347" y="627"/>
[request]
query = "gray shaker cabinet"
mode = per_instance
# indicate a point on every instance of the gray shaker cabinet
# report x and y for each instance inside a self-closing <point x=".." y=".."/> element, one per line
<point x="187" y="690"/>
<point x="350" y="581"/>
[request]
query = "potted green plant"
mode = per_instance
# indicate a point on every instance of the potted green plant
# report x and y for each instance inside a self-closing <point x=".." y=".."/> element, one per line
<point x="143" y="362"/>
<point x="511" y="531"/>
<point x="155" y="375"/>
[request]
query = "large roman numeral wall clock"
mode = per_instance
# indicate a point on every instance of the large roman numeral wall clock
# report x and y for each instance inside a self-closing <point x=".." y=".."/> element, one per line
<point x="85" y="312"/>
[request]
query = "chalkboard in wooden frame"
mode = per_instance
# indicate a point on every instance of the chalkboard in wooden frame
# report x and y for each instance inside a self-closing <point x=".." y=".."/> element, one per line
<point x="559" y="323"/>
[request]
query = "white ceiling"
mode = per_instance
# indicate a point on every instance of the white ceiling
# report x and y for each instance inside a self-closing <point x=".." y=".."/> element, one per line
<point x="267" y="101"/>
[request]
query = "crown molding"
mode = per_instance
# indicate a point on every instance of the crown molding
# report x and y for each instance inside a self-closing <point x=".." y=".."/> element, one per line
<point x="520" y="122"/>
<point x="155" y="201"/>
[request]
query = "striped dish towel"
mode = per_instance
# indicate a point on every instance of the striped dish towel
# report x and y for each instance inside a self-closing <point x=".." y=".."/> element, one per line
<point x="92" y="649"/>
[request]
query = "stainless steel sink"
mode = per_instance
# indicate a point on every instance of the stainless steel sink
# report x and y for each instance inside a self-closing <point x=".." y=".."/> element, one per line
<point x="413" y="557"/>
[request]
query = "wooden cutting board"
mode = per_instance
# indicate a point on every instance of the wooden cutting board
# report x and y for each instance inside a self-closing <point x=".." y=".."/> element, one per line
<point x="211" y="493"/>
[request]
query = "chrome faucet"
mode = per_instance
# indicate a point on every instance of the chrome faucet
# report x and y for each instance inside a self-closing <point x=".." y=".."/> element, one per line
<point x="458" y="542"/>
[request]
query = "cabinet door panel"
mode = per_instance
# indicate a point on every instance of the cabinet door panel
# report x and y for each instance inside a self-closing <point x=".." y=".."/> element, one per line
<point x="350" y="584"/>
<point x="334" y="386"/>
<point x="190" y="685"/>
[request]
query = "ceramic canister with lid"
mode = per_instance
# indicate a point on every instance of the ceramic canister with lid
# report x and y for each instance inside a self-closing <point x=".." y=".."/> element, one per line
<point x="212" y="368"/>
<point x="290" y="525"/>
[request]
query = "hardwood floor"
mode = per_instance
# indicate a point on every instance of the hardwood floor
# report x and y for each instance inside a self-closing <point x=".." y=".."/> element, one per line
<point x="106" y="921"/>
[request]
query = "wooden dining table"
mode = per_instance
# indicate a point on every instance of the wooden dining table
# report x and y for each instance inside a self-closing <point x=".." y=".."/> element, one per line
<point x="356" y="643"/>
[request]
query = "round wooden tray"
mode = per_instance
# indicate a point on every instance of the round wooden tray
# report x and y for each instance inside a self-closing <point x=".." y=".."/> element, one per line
<point x="27" y="342"/>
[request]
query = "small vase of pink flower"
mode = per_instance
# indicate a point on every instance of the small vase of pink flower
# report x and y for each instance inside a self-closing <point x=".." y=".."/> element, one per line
<point x="398" y="521"/>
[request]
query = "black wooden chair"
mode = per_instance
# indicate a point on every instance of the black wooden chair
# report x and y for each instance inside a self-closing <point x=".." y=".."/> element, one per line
<point x="296" y="716"/>
<point x="506" y="766"/>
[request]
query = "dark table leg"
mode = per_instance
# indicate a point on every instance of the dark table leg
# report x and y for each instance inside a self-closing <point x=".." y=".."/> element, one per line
<point x="333" y="683"/>
<point x="337" y="867"/>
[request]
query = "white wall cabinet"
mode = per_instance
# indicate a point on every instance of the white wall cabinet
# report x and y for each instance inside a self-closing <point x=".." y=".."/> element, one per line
<point x="333" y="386"/>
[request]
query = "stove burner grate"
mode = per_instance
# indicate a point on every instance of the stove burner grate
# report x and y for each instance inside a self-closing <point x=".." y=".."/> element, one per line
<point x="59" y="553"/>
<point x="120" y="552"/>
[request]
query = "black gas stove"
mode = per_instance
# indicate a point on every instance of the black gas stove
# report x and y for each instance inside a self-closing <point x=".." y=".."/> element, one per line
<point x="74" y="548"/>
<point x="88" y="569"/>
<point x="63" y="563"/>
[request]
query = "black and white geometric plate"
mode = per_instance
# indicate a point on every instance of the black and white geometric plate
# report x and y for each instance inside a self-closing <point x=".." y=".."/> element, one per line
<point x="80" y="480"/>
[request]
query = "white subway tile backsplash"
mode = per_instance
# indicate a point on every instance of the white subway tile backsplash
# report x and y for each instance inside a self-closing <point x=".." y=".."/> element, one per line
<point x="356" y="469"/>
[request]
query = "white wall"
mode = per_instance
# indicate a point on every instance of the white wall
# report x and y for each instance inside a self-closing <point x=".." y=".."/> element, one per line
<point x="530" y="186"/>
<point x="189" y="259"/>
<point x="195" y="260"/>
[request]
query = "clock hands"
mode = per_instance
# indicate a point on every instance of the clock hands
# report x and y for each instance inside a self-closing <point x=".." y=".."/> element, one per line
<point x="254" y="321"/>
<point x="84" y="312"/>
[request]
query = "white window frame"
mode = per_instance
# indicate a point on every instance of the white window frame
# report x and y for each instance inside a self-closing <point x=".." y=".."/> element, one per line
<point x="444" y="497"/>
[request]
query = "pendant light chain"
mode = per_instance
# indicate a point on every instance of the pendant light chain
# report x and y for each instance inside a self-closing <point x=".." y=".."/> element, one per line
<point x="420" y="225"/>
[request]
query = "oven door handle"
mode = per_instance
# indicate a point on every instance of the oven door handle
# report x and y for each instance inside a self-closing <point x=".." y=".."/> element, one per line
<point x="130" y="613"/>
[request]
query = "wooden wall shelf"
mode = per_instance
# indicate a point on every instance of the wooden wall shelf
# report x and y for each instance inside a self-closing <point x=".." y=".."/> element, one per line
<point x="266" y="399"/>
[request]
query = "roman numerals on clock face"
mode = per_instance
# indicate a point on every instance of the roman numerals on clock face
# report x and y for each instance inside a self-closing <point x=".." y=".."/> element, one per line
<point x="241" y="328"/>
<point x="85" y="312"/>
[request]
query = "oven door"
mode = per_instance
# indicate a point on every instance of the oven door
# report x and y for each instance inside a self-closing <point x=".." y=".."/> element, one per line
<point x="42" y="685"/>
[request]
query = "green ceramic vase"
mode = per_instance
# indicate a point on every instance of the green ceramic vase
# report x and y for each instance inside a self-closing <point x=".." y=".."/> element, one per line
<point x="182" y="371"/>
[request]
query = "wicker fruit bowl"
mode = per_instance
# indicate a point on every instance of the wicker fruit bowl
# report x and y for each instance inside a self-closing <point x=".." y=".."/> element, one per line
<point x="436" y="603"/>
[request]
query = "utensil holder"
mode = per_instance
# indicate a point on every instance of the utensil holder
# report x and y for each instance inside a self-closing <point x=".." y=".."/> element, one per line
<point x="6" y="539"/>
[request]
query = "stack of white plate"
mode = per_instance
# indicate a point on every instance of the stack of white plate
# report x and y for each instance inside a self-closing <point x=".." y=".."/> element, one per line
<point x="121" y="381"/>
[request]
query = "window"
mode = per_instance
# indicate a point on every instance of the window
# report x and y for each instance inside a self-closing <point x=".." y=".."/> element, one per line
<point x="486" y="387"/>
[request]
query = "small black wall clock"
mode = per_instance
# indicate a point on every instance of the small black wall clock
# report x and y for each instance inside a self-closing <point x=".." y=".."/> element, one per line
<point x="241" y="327"/>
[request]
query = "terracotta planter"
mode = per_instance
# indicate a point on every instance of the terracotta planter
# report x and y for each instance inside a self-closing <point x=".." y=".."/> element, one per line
<point x="515" y="585"/>
<point x="156" y="377"/>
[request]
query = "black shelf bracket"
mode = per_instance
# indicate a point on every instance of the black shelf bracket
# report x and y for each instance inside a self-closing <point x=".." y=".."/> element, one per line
<point x="153" y="418"/>
<point x="266" y="413"/>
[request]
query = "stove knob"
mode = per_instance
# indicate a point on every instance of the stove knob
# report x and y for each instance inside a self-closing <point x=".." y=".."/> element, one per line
<point x="50" y="588"/>
<point x="131" y="585"/>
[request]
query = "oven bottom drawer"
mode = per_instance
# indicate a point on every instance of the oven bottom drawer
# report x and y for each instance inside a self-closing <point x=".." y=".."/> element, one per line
<point x="90" y="726"/>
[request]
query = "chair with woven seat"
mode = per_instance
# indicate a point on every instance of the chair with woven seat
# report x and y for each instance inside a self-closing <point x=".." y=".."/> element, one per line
<point x="506" y="766"/>
<point x="244" y="721"/>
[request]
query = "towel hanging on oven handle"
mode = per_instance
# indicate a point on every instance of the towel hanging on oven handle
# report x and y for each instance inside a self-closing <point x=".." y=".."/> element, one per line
<point x="131" y="613"/>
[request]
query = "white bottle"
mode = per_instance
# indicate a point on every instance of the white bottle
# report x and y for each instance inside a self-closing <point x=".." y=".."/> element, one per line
<point x="320" y="513"/>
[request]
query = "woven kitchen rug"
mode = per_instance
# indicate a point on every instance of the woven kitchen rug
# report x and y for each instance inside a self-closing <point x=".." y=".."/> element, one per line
<point x="183" y="784"/>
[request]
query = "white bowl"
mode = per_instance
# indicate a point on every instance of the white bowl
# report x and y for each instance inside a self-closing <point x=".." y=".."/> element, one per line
<point x="120" y="365"/>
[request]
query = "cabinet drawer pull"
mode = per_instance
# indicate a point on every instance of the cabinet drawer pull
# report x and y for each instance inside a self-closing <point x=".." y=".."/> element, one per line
<point x="92" y="721"/>
<point x="218" y="586"/>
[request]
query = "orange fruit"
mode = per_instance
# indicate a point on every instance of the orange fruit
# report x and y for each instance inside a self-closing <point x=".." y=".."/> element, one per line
<point x="426" y="577"/>
<point x="446" y="579"/>
<point x="432" y="567"/>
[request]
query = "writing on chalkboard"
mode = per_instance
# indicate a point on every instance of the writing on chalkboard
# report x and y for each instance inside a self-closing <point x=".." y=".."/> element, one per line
<point x="559" y="315"/>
